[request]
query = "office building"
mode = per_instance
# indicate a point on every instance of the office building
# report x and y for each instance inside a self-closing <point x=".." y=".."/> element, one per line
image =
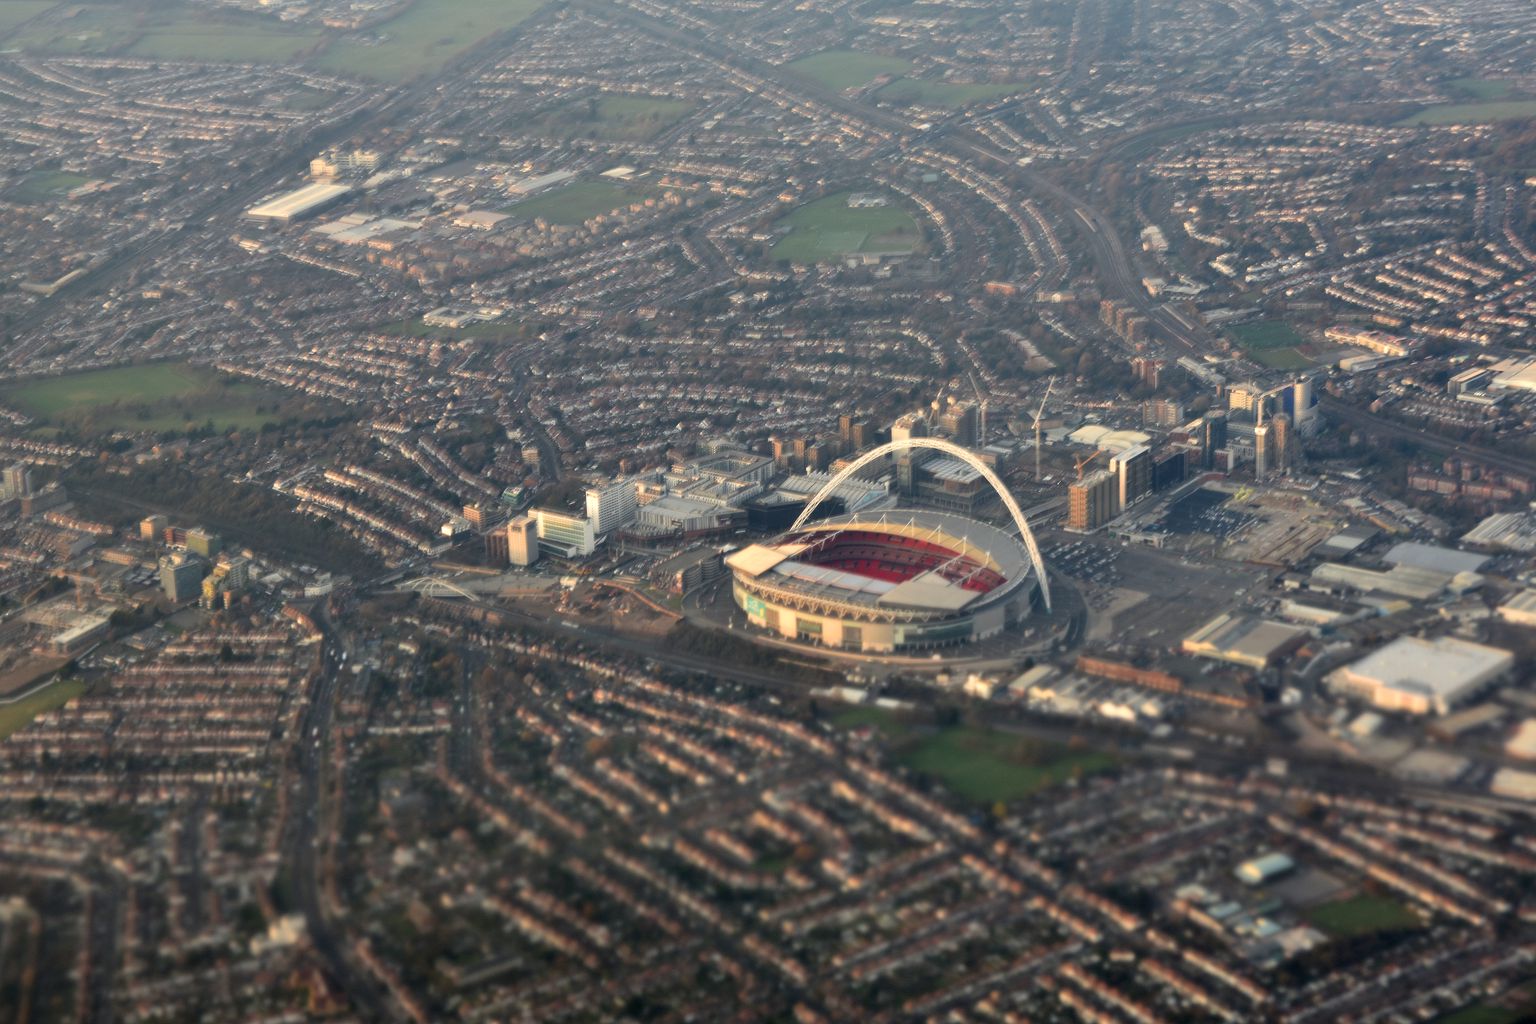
<point x="1261" y="454"/>
<point x="152" y="528"/>
<point x="1091" y="501"/>
<point x="1281" y="438"/>
<point x="1213" y="437"/>
<point x="522" y="536"/>
<point x="1162" y="412"/>
<point x="612" y="506"/>
<point x="904" y="429"/>
<point x="565" y="534"/>
<point x="481" y="517"/>
<point x="1133" y="475"/>
<point x="181" y="577"/>
<point x="1169" y="468"/>
<point x="17" y="480"/>
<point x="225" y="582"/>
<point x="203" y="542"/>
<point x="961" y="422"/>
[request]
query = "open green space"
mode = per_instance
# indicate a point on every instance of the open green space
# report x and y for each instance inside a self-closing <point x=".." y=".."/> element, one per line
<point x="635" y="117"/>
<point x="988" y="766"/>
<point x="574" y="204"/>
<point x="154" y="397"/>
<point x="423" y="38"/>
<point x="18" y="713"/>
<point x="1262" y="334"/>
<point x="15" y="12"/>
<point x="1361" y="915"/>
<point x="1483" y="1013"/>
<point x="219" y="40"/>
<point x="845" y="69"/>
<point x="46" y="185"/>
<point x="1272" y="343"/>
<point x="829" y="228"/>
<point x="931" y="93"/>
<point x="172" y="31"/>
<point x="1281" y="358"/>
<point x="1474" y="113"/>
<point x="982" y="765"/>
<point x="1482" y="88"/>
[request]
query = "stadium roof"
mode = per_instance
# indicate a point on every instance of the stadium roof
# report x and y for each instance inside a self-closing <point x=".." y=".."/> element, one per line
<point x="776" y="562"/>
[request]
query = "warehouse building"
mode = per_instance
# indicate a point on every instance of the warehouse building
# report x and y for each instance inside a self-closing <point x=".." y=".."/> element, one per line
<point x="1422" y="677"/>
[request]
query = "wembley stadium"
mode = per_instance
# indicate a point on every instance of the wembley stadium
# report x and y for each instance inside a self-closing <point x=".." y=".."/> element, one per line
<point x="889" y="582"/>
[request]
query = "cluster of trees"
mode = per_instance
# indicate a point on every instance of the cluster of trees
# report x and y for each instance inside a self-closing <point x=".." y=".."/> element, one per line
<point x="249" y="514"/>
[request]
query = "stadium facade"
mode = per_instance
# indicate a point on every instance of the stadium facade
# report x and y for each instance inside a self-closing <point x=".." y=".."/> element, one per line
<point x="889" y="582"/>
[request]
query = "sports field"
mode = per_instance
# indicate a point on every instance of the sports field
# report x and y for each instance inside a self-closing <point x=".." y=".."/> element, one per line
<point x="46" y="185"/>
<point x="946" y="94"/>
<point x="152" y="397"/>
<point x="426" y="36"/>
<point x="17" y="714"/>
<point x="173" y="32"/>
<point x="829" y="228"/>
<point x="574" y="204"/>
<point x="982" y="765"/>
<point x="1474" y="113"/>
<point x="1361" y="915"/>
<point x="1272" y="343"/>
<point x="987" y="766"/>
<point x="845" y="69"/>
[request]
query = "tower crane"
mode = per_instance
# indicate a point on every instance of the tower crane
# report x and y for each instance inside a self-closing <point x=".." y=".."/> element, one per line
<point x="1082" y="463"/>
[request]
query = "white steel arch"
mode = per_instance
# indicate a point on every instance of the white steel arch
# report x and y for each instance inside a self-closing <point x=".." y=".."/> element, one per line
<point x="970" y="459"/>
<point x="436" y="586"/>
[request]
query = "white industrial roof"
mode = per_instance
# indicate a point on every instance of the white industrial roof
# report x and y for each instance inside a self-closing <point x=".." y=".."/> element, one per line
<point x="1442" y="667"/>
<point x="1434" y="557"/>
<point x="298" y="201"/>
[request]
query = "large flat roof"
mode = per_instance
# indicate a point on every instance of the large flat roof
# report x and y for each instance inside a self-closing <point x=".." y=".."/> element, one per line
<point x="1442" y="667"/>
<point x="299" y="201"/>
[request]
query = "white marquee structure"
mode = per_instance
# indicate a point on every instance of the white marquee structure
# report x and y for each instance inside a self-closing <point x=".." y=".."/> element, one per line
<point x="964" y="455"/>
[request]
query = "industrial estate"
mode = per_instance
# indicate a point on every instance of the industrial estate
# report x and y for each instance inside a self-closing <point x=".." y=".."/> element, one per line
<point x="695" y="511"/>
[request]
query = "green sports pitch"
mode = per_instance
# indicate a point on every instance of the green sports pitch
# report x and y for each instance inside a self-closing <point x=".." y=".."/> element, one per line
<point x="829" y="229"/>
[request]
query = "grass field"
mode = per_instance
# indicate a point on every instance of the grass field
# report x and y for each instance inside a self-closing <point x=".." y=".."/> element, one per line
<point x="47" y="185"/>
<point x="17" y="715"/>
<point x="171" y="32"/>
<point x="635" y="118"/>
<point x="88" y="29"/>
<point x="153" y="397"/>
<point x="1361" y="915"/>
<point x="223" y="40"/>
<point x="14" y="12"/>
<point x="845" y="69"/>
<point x="574" y="204"/>
<point x="828" y="229"/>
<point x="983" y="765"/>
<point x="1482" y="88"/>
<point x="945" y="94"/>
<point x="988" y="766"/>
<point x="1474" y="113"/>
<point x="1272" y="343"/>
<point x="425" y="37"/>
